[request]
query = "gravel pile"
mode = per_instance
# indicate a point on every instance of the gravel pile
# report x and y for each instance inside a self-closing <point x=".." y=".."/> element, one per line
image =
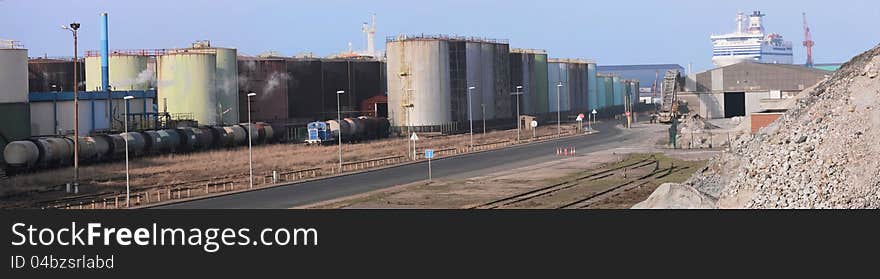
<point x="823" y="153"/>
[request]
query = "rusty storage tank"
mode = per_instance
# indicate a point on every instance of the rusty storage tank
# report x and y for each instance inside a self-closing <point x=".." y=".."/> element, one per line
<point x="304" y="90"/>
<point x="267" y="77"/>
<point x="23" y="153"/>
<point x="137" y="143"/>
<point x="43" y="73"/>
<point x="266" y="134"/>
<point x="419" y="76"/>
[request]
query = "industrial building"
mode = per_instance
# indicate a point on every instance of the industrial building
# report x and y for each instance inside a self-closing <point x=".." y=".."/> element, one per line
<point x="14" y="110"/>
<point x="429" y="79"/>
<point x="744" y="88"/>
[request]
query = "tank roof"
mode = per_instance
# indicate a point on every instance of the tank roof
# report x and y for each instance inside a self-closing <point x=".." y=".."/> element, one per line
<point x="528" y="50"/>
<point x="571" y="60"/>
<point x="441" y="37"/>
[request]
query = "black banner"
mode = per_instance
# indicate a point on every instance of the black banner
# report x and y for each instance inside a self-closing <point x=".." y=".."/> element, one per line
<point x="412" y="243"/>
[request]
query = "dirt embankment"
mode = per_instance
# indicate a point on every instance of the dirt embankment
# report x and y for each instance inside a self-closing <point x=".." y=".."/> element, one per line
<point x="823" y="153"/>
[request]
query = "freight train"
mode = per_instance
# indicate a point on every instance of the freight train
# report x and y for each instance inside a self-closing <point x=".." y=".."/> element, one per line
<point x="56" y="151"/>
<point x="349" y="130"/>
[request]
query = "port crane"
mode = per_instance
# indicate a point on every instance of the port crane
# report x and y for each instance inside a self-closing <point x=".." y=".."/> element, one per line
<point x="808" y="42"/>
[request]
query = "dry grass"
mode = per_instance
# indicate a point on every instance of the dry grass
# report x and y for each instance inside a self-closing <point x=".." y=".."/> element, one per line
<point x="166" y="170"/>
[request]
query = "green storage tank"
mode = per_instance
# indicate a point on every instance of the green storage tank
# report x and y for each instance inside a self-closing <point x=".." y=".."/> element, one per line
<point x="539" y="84"/>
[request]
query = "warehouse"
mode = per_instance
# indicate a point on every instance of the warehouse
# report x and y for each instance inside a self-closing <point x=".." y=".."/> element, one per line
<point x="743" y="88"/>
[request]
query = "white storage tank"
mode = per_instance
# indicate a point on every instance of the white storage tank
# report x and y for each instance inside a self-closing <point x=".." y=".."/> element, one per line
<point x="227" y="84"/>
<point x="186" y="85"/>
<point x="418" y="74"/>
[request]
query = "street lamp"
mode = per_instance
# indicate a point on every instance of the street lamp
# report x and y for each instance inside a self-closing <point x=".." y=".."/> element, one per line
<point x="470" y="119"/>
<point x="558" y="110"/>
<point x="127" y="178"/>
<point x="483" y="107"/>
<point x="339" y="119"/>
<point x="250" y="139"/>
<point x="517" y="94"/>
<point x="72" y="28"/>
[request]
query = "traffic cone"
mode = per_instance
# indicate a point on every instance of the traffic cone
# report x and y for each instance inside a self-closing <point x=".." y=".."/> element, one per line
<point x="566" y="152"/>
<point x="558" y="151"/>
<point x="573" y="150"/>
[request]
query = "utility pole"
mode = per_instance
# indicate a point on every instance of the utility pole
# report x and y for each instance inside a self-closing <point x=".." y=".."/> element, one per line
<point x="73" y="27"/>
<point x="127" y="178"/>
<point x="470" y="119"/>
<point x="558" y="111"/>
<point x="339" y="118"/>
<point x="250" y="139"/>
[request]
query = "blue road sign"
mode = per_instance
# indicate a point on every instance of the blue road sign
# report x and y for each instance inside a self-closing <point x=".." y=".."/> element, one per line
<point x="429" y="153"/>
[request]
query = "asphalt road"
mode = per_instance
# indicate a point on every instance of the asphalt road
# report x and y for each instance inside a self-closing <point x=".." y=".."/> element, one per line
<point x="462" y="166"/>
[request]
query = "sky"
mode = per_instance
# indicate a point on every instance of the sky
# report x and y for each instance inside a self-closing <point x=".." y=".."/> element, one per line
<point x="611" y="32"/>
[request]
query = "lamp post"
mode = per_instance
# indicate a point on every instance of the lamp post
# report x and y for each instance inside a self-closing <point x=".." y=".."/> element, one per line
<point x="72" y="28"/>
<point x="517" y="94"/>
<point x="339" y="118"/>
<point x="483" y="107"/>
<point x="250" y="139"/>
<point x="127" y="177"/>
<point x="558" y="111"/>
<point x="470" y="119"/>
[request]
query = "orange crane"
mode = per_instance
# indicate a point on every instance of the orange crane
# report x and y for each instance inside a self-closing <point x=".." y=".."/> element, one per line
<point x="808" y="42"/>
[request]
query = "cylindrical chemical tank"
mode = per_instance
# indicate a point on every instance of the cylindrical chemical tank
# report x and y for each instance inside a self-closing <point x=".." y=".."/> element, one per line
<point x="156" y="142"/>
<point x="357" y="128"/>
<point x="557" y="73"/>
<point x="127" y="72"/>
<point x="13" y="74"/>
<point x="187" y="85"/>
<point x="188" y="139"/>
<point x="227" y="83"/>
<point x="174" y="140"/>
<point x="340" y="129"/>
<point x="55" y="151"/>
<point x="592" y="87"/>
<point x="539" y="85"/>
<point x="474" y="75"/>
<point x="222" y="138"/>
<point x="238" y="134"/>
<point x="21" y="154"/>
<point x="205" y="137"/>
<point x="117" y="147"/>
<point x="137" y="143"/>
<point x="618" y="90"/>
<point x="418" y="75"/>
<point x="486" y="96"/>
<point x="103" y="147"/>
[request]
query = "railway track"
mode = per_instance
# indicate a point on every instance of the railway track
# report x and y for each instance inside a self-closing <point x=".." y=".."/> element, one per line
<point x="543" y="191"/>
<point x="638" y="182"/>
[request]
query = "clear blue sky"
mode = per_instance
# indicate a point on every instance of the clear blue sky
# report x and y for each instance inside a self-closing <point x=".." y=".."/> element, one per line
<point x="611" y="32"/>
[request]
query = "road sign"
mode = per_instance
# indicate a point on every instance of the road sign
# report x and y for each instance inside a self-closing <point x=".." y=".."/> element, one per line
<point x="580" y="117"/>
<point x="534" y="123"/>
<point x="594" y="112"/>
<point x="414" y="136"/>
<point x="627" y="114"/>
<point x="429" y="153"/>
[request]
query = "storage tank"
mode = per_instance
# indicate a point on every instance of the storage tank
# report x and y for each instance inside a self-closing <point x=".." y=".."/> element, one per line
<point x="418" y="74"/>
<point x="21" y="154"/>
<point x="502" y="82"/>
<point x="103" y="147"/>
<point x="609" y="91"/>
<point x="126" y="72"/>
<point x="174" y="140"/>
<point x="619" y="90"/>
<point x="539" y="83"/>
<point x="579" y="87"/>
<point x="474" y="73"/>
<point x="155" y="142"/>
<point x="221" y="137"/>
<point x="187" y="85"/>
<point x="269" y="79"/>
<point x="557" y="73"/>
<point x="188" y="139"/>
<point x="227" y="84"/>
<point x="600" y="92"/>
<point x="43" y="73"/>
<point x="592" y="87"/>
<point x="13" y="73"/>
<point x="486" y="96"/>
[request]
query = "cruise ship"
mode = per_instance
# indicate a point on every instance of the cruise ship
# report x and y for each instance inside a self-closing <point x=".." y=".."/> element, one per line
<point x="750" y="43"/>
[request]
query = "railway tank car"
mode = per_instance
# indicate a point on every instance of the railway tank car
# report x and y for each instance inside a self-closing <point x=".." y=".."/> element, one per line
<point x="349" y="129"/>
<point x="57" y="151"/>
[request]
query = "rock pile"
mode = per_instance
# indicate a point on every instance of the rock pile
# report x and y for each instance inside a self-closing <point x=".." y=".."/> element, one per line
<point x="823" y="153"/>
